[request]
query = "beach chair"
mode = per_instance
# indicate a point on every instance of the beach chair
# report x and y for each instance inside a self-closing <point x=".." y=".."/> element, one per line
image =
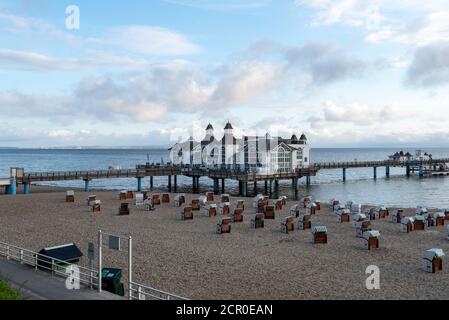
<point x="278" y="204"/>
<point x="382" y="212"/>
<point x="209" y="196"/>
<point x="362" y="227"/>
<point x="240" y="204"/>
<point x="294" y="210"/>
<point x="419" y="223"/>
<point x="180" y="199"/>
<point x="70" y="196"/>
<point x="225" y="198"/>
<point x="304" y="222"/>
<point x="371" y="239"/>
<point x="203" y="201"/>
<point x="343" y="216"/>
<point x="284" y="200"/>
<point x="311" y="208"/>
<point x="333" y="203"/>
<point x="156" y="199"/>
<point x="139" y="199"/>
<point x="223" y="225"/>
<point x="122" y="195"/>
<point x="446" y="215"/>
<point x="397" y="215"/>
<point x="225" y="208"/>
<point x="432" y="260"/>
<point x="166" y="198"/>
<point x="145" y="195"/>
<point x="269" y="213"/>
<point x="407" y="224"/>
<point x="187" y="213"/>
<point x="96" y="206"/>
<point x="257" y="221"/>
<point x="237" y="215"/>
<point x="210" y="210"/>
<point x="421" y="211"/>
<point x="91" y="199"/>
<point x="371" y="213"/>
<point x="288" y="224"/>
<point x="304" y="202"/>
<point x="318" y="205"/>
<point x="129" y="194"/>
<point x="196" y="205"/>
<point x="355" y="208"/>
<point x="319" y="235"/>
<point x="257" y="201"/>
<point x="124" y="209"/>
<point x="148" y="205"/>
<point x="438" y="219"/>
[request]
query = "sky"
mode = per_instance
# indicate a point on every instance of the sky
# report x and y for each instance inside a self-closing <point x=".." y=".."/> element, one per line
<point x="347" y="73"/>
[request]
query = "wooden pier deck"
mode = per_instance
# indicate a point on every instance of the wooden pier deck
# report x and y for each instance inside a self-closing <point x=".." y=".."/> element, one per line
<point x="216" y="174"/>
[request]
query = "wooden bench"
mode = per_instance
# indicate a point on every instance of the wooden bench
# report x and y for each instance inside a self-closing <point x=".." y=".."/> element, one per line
<point x="224" y="225"/>
<point x="124" y="209"/>
<point x="187" y="213"/>
<point x="257" y="221"/>
<point x="288" y="224"/>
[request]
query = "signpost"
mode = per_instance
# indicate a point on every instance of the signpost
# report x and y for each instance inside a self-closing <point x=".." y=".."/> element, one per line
<point x="115" y="244"/>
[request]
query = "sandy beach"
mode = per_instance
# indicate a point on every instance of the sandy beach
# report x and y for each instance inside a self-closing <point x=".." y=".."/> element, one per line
<point x="189" y="259"/>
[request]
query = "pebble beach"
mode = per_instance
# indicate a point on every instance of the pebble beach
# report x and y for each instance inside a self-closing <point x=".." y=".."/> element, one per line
<point x="189" y="259"/>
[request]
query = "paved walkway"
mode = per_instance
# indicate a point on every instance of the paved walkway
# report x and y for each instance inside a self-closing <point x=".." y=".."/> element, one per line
<point x="40" y="285"/>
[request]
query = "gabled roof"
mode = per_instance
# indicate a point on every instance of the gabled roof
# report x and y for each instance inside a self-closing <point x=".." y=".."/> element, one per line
<point x="303" y="137"/>
<point x="209" y="127"/>
<point x="228" y="126"/>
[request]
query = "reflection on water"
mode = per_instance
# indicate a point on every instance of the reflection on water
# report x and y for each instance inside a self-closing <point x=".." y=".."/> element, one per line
<point x="360" y="186"/>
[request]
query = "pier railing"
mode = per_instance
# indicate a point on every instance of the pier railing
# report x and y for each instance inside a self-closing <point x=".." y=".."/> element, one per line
<point x="143" y="292"/>
<point x="86" y="276"/>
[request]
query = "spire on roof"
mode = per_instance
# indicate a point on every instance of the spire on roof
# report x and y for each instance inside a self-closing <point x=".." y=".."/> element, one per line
<point x="228" y="126"/>
<point x="303" y="137"/>
<point x="209" y="127"/>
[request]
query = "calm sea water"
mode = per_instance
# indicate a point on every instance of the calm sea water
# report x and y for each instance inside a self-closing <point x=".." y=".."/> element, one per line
<point x="360" y="186"/>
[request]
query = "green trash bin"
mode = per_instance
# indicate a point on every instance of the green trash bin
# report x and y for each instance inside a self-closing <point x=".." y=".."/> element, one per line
<point x="110" y="281"/>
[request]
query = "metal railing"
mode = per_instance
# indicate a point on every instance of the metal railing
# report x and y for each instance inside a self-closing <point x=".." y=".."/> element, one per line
<point x="142" y="292"/>
<point x="86" y="276"/>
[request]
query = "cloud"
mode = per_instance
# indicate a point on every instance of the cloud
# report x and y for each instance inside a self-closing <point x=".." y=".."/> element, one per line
<point x="412" y="22"/>
<point x="323" y="63"/>
<point x="151" y="40"/>
<point x="430" y="66"/>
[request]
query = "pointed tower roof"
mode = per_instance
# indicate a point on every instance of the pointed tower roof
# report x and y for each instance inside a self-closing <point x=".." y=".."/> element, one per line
<point x="228" y="126"/>
<point x="303" y="137"/>
<point x="209" y="127"/>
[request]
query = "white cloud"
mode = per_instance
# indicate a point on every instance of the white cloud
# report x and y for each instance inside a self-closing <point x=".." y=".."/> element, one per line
<point x="151" y="40"/>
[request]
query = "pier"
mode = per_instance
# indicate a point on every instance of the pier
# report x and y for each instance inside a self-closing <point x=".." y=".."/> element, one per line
<point x="218" y="175"/>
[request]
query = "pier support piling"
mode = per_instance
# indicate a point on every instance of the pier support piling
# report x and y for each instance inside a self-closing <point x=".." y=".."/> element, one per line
<point x="216" y="186"/>
<point x="169" y="183"/>
<point x="408" y="171"/>
<point x="255" y="187"/>
<point x="271" y="188"/>
<point x="175" y="178"/>
<point x="421" y="171"/>
<point x="387" y="171"/>
<point x="223" y="186"/>
<point x="375" y="172"/>
<point x="308" y="180"/>
<point x="86" y="185"/>
<point x="7" y="189"/>
<point x="13" y="187"/>
<point x="26" y="188"/>
<point x="344" y="174"/>
<point x="151" y="183"/>
<point x="266" y="186"/>
<point x="139" y="184"/>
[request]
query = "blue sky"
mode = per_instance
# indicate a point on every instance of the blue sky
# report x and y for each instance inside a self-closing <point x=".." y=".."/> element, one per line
<point x="345" y="72"/>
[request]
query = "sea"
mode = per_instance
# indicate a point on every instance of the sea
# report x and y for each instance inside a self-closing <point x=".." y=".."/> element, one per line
<point x="397" y="190"/>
